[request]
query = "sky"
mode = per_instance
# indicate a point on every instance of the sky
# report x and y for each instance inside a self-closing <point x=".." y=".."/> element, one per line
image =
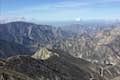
<point x="60" y="10"/>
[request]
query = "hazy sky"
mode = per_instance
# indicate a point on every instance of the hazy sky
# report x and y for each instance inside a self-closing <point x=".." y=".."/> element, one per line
<point x="60" y="10"/>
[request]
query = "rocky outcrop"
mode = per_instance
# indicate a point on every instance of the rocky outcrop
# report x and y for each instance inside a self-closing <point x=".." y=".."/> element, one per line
<point x="43" y="54"/>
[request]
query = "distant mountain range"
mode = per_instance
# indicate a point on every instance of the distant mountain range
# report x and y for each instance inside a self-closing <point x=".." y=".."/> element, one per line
<point x="90" y="27"/>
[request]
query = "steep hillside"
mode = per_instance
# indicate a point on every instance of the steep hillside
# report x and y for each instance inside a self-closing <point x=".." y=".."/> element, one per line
<point x="62" y="67"/>
<point x="61" y="61"/>
<point x="11" y="48"/>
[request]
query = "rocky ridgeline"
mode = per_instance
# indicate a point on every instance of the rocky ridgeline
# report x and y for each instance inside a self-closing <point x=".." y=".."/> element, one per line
<point x="55" y="67"/>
